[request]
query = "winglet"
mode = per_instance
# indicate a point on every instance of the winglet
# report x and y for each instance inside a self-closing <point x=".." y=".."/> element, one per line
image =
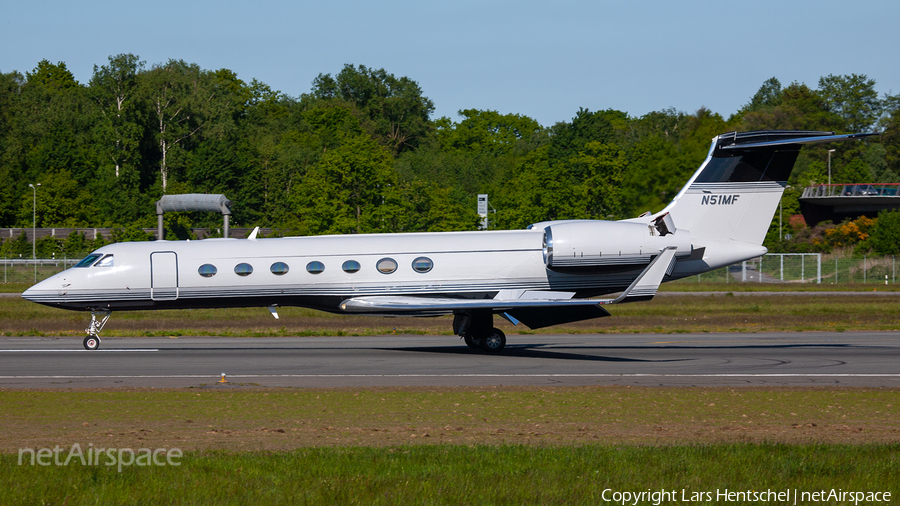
<point x="646" y="285"/>
<point x="252" y="235"/>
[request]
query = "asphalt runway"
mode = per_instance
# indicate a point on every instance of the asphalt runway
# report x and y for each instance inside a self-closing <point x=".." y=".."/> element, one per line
<point x="870" y="359"/>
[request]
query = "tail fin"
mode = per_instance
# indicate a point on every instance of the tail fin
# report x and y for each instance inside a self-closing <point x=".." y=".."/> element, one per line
<point x="735" y="192"/>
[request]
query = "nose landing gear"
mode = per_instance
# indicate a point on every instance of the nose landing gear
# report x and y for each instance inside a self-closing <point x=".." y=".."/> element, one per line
<point x="92" y="341"/>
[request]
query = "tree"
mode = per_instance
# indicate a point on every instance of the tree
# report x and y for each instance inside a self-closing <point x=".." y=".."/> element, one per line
<point x="10" y="87"/>
<point x="537" y="191"/>
<point x="885" y="238"/>
<point x="397" y="113"/>
<point x="853" y="98"/>
<point x="486" y="132"/>
<point x="113" y="87"/>
<point x="891" y="141"/>
<point x="417" y="206"/>
<point x="799" y="108"/>
<point x="54" y="77"/>
<point x="768" y="95"/>
<point x="61" y="202"/>
<point x="601" y="189"/>
<point x="340" y="194"/>
<point x="178" y="95"/>
<point x="607" y="127"/>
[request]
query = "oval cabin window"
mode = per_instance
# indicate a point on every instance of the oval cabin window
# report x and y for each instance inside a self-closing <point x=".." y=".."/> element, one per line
<point x="315" y="267"/>
<point x="422" y="264"/>
<point x="350" y="266"/>
<point x="386" y="265"/>
<point x="207" y="270"/>
<point x="243" y="269"/>
<point x="279" y="268"/>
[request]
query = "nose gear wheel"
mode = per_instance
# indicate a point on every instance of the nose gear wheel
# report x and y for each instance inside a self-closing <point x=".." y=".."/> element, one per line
<point x="92" y="341"/>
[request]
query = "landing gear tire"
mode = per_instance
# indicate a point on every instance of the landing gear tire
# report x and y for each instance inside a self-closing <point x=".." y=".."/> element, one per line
<point x="472" y="342"/>
<point x="91" y="342"/>
<point x="495" y="342"/>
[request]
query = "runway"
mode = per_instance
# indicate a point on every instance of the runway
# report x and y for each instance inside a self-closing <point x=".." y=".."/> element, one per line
<point x="869" y="359"/>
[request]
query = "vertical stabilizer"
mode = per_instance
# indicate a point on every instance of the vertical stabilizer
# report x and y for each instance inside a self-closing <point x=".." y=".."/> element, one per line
<point x="735" y="192"/>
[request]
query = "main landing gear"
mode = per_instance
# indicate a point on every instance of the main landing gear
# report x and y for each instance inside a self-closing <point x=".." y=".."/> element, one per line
<point x="92" y="341"/>
<point x="478" y="332"/>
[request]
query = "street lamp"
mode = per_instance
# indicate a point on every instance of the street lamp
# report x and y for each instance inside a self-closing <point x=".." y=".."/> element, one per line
<point x="33" y="223"/>
<point x="780" y="235"/>
<point x="829" y="165"/>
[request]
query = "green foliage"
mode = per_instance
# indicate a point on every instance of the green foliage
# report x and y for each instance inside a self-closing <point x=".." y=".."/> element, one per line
<point x="361" y="153"/>
<point x="18" y="247"/>
<point x="885" y="238"/>
<point x="798" y="108"/>
<point x="768" y="95"/>
<point x="537" y="191"/>
<point x="487" y="132"/>
<point x="54" y="77"/>
<point x="134" y="233"/>
<point x="567" y="139"/>
<point x="341" y="194"/>
<point x="397" y="113"/>
<point x="61" y="202"/>
<point x="853" y="98"/>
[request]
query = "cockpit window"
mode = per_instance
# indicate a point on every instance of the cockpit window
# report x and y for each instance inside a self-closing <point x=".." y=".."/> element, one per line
<point x="88" y="260"/>
<point x="106" y="261"/>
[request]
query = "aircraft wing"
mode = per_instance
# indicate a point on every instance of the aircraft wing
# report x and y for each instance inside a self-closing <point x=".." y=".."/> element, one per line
<point x="644" y="287"/>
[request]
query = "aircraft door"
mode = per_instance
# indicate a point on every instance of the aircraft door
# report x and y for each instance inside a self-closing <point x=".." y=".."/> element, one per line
<point x="163" y="275"/>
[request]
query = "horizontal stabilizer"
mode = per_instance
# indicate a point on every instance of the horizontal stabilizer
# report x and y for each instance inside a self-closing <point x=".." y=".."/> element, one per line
<point x="814" y="139"/>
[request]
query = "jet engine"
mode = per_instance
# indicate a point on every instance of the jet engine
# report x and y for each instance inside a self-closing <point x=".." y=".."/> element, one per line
<point x="597" y="244"/>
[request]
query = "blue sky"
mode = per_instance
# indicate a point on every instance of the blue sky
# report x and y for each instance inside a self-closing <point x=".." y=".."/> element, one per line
<point x="540" y="59"/>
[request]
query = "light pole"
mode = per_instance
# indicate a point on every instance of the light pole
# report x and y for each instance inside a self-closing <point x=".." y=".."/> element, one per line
<point x="780" y="235"/>
<point x="33" y="224"/>
<point x="829" y="165"/>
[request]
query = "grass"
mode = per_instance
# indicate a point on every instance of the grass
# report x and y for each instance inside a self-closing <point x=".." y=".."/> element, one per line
<point x="663" y="314"/>
<point x="437" y="474"/>
<point x="235" y="418"/>
<point x="494" y="445"/>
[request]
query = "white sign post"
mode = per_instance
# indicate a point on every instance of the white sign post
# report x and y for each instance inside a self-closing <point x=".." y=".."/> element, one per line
<point x="483" y="210"/>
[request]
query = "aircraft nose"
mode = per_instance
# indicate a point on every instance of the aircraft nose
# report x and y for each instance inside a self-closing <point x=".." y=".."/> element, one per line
<point x="40" y="291"/>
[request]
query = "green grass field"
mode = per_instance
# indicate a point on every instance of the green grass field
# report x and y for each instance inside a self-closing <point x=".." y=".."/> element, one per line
<point x="493" y="445"/>
<point x="463" y="475"/>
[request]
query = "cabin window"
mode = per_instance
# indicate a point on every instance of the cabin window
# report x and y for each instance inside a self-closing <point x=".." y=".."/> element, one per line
<point x="107" y="261"/>
<point x="279" y="268"/>
<point x="422" y="264"/>
<point x="243" y="269"/>
<point x="207" y="270"/>
<point x="315" y="267"/>
<point x="88" y="260"/>
<point x="350" y="266"/>
<point x="386" y="265"/>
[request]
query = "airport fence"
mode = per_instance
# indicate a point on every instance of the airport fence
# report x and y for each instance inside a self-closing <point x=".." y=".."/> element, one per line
<point x="26" y="270"/>
<point x="808" y="268"/>
<point x="770" y="268"/>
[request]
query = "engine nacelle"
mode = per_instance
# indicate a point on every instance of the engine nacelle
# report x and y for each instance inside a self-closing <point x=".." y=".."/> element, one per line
<point x="578" y="244"/>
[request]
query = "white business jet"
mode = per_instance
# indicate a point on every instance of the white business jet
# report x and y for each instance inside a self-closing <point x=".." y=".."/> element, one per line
<point x="542" y="276"/>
